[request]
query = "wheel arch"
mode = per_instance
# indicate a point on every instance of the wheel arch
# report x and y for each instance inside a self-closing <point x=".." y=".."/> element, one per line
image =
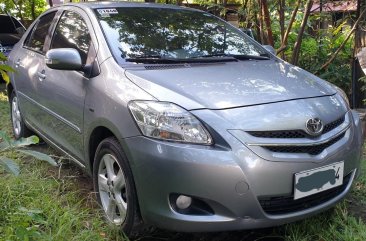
<point x="98" y="134"/>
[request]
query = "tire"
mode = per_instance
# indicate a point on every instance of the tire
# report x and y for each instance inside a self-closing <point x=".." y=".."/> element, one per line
<point x="19" y="128"/>
<point x="114" y="185"/>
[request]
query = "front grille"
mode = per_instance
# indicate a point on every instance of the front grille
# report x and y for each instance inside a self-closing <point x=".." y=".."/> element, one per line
<point x="279" y="134"/>
<point x="332" y="125"/>
<point x="295" y="133"/>
<point x="312" y="150"/>
<point x="287" y="204"/>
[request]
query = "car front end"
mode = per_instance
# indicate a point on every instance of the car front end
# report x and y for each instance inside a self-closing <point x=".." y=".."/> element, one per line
<point x="246" y="178"/>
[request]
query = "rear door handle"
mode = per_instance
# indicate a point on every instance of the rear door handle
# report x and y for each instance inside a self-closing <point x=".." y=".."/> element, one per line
<point x="41" y="75"/>
<point x="17" y="64"/>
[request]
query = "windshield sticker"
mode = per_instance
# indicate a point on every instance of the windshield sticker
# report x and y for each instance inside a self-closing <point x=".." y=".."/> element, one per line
<point x="107" y="11"/>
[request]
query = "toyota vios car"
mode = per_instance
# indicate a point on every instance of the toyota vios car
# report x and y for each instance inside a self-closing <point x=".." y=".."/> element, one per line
<point x="183" y="121"/>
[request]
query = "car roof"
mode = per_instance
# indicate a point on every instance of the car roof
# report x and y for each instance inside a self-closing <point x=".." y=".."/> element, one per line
<point x="114" y="4"/>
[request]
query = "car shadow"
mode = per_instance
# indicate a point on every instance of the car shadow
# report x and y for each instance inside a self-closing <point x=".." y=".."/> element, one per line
<point x="269" y="234"/>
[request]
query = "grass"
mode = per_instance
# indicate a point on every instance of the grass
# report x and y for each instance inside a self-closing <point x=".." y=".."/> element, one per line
<point x="50" y="203"/>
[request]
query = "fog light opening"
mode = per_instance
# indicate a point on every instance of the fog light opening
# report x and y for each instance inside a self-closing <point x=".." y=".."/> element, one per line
<point x="183" y="202"/>
<point x="189" y="205"/>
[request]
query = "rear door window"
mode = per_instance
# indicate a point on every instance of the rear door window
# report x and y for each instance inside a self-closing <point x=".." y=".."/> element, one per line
<point x="37" y="37"/>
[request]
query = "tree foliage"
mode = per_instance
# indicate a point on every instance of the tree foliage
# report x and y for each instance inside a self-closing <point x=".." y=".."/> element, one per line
<point x="25" y="10"/>
<point x="4" y="69"/>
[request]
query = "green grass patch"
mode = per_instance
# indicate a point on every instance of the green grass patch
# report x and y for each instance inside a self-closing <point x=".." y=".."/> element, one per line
<point x="38" y="206"/>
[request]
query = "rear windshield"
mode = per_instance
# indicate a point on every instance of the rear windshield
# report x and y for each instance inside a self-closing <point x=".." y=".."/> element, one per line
<point x="7" y="25"/>
<point x="171" y="33"/>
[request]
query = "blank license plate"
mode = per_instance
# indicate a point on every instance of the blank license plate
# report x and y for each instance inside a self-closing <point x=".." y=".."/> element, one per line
<point x="317" y="180"/>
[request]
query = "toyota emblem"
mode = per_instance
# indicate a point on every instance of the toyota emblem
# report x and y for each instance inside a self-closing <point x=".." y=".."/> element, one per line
<point x="314" y="126"/>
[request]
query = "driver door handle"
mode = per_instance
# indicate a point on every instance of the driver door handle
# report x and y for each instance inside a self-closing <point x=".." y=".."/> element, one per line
<point x="41" y="75"/>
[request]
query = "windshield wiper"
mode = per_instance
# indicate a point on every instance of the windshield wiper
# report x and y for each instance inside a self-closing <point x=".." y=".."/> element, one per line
<point x="160" y="59"/>
<point x="237" y="56"/>
<point x="150" y="58"/>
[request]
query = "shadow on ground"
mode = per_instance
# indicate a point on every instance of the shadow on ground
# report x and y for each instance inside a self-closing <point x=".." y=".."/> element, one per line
<point x="261" y="234"/>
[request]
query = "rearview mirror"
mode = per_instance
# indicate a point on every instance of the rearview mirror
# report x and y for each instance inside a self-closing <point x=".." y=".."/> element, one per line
<point x="270" y="49"/>
<point x="63" y="59"/>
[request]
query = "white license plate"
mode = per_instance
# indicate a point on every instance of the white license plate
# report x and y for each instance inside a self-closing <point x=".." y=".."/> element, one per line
<point x="317" y="180"/>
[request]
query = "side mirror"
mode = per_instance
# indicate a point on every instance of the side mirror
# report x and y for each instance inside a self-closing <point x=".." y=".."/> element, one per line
<point x="63" y="59"/>
<point x="270" y="49"/>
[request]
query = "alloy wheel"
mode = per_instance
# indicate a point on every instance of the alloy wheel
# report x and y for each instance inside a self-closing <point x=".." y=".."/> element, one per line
<point x="112" y="189"/>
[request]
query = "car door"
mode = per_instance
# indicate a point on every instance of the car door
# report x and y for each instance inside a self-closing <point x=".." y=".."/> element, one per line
<point x="28" y="62"/>
<point x="62" y="92"/>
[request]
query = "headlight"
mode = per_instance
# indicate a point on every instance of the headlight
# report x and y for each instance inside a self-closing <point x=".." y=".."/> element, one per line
<point x="343" y="95"/>
<point x="168" y="121"/>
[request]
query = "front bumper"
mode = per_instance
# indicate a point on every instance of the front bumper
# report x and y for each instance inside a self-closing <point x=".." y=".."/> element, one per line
<point x="230" y="179"/>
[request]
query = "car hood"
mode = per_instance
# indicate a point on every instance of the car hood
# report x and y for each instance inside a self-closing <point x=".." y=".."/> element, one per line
<point x="229" y="84"/>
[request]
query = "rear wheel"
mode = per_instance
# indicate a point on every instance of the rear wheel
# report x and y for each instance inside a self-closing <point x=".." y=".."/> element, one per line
<point x="19" y="128"/>
<point x="114" y="185"/>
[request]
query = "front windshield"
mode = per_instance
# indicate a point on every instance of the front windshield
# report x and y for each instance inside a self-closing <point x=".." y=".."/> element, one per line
<point x="141" y="32"/>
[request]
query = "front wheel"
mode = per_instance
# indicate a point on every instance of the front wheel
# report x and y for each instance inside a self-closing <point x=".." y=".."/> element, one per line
<point x="114" y="185"/>
<point x="19" y="128"/>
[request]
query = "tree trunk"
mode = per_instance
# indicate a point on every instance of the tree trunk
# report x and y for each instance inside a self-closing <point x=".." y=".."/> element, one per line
<point x="281" y="14"/>
<point x="297" y="46"/>
<point x="261" y="23"/>
<point x="33" y="10"/>
<point x="289" y="27"/>
<point x="50" y="2"/>
<point x="267" y="21"/>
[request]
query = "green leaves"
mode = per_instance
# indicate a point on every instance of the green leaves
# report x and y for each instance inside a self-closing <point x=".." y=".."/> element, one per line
<point x="26" y="141"/>
<point x="9" y="165"/>
<point x="6" y="141"/>
<point x="8" y="144"/>
<point x="2" y="57"/>
<point x="22" y="142"/>
<point x="4" y="75"/>
<point x="5" y="69"/>
<point x="40" y="156"/>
